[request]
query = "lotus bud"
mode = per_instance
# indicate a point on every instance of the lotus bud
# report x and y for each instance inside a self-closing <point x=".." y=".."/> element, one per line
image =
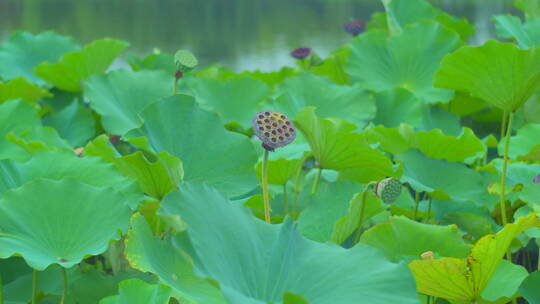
<point x="354" y="27"/>
<point x="536" y="179"/>
<point x="301" y="53"/>
<point x="428" y="255"/>
<point x="185" y="61"/>
<point x="274" y="129"/>
<point x="388" y="190"/>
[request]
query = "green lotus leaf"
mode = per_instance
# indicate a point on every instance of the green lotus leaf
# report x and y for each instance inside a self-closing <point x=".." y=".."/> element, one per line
<point x="102" y="147"/>
<point x="531" y="195"/>
<point x="529" y="288"/>
<point x="135" y="291"/>
<point x="24" y="51"/>
<point x="209" y="153"/>
<point x="475" y="224"/>
<point x="155" y="61"/>
<point x="120" y="96"/>
<point x="464" y="104"/>
<point x="524" y="145"/>
<point x="526" y="34"/>
<point x="237" y="99"/>
<point x="531" y="8"/>
<point x="253" y="257"/>
<point x="21" y="88"/>
<point x="280" y="171"/>
<point x="272" y="79"/>
<point x="331" y="100"/>
<point x="517" y="173"/>
<point x="445" y="180"/>
<point x="398" y="106"/>
<point x="471" y="69"/>
<point x="402" y="237"/>
<point x="72" y="68"/>
<point x="408" y="60"/>
<point x="333" y="67"/>
<point x="432" y="143"/>
<point x="21" y="131"/>
<point x="60" y="164"/>
<point x="466" y="279"/>
<point x="505" y="281"/>
<point x="404" y="12"/>
<point x="62" y="224"/>
<point x="147" y="252"/>
<point x="74" y="123"/>
<point x="335" y="147"/>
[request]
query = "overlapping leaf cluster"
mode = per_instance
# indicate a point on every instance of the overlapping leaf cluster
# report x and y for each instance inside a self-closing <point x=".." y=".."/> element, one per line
<point x="147" y="196"/>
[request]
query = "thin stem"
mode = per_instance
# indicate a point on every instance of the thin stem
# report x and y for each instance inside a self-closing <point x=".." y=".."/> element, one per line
<point x="34" y="286"/>
<point x="175" y="86"/>
<point x="1" y="290"/>
<point x="266" y="196"/>
<point x="503" y="176"/>
<point x="297" y="187"/>
<point x="428" y="300"/>
<point x="417" y="202"/>
<point x="361" y="219"/>
<point x="428" y="210"/>
<point x="158" y="224"/>
<point x="316" y="182"/>
<point x="285" y="202"/>
<point x="64" y="277"/>
<point x="538" y="261"/>
<point x="503" y="124"/>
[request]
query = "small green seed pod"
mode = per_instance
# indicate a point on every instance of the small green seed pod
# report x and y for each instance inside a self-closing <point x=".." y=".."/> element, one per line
<point x="185" y="61"/>
<point x="388" y="190"/>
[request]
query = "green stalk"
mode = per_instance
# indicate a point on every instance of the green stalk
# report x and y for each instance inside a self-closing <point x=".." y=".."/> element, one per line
<point x="538" y="263"/>
<point x="285" y="202"/>
<point x="503" y="124"/>
<point x="175" y="85"/>
<point x="1" y="290"/>
<point x="503" y="176"/>
<point x="417" y="202"/>
<point x="361" y="219"/>
<point x="316" y="182"/>
<point x="296" y="188"/>
<point x="34" y="286"/>
<point x="428" y="210"/>
<point x="266" y="196"/>
<point x="64" y="277"/>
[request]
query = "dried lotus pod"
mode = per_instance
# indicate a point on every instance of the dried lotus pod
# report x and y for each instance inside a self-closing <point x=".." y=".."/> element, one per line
<point x="274" y="129"/>
<point x="388" y="190"/>
<point x="354" y="27"/>
<point x="301" y="52"/>
<point x="536" y="179"/>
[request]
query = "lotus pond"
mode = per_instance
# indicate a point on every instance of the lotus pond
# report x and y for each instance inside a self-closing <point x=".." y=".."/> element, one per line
<point x="403" y="168"/>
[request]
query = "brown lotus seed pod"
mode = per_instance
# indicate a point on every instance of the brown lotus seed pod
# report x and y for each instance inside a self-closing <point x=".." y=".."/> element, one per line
<point x="274" y="129"/>
<point x="388" y="190"/>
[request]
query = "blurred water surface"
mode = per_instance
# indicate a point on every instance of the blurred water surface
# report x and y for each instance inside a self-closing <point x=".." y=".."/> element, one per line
<point x="241" y="34"/>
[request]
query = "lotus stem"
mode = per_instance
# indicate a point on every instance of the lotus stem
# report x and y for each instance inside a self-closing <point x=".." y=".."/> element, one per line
<point x="428" y="209"/>
<point x="417" y="202"/>
<point x="266" y="196"/>
<point x="34" y="286"/>
<point x="316" y="182"/>
<point x="175" y="86"/>
<point x="285" y="202"/>
<point x="503" y="124"/>
<point x="297" y="187"/>
<point x="503" y="175"/>
<point x="64" y="277"/>
<point x="361" y="219"/>
<point x="1" y="290"/>
<point x="538" y="261"/>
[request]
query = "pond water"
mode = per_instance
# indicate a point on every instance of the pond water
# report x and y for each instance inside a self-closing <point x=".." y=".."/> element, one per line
<point x="241" y="34"/>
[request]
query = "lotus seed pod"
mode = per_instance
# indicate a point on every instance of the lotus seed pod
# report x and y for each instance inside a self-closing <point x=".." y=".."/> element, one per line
<point x="388" y="190"/>
<point x="274" y="129"/>
<point x="301" y="53"/>
<point x="536" y="179"/>
<point x="354" y="27"/>
<point x="185" y="61"/>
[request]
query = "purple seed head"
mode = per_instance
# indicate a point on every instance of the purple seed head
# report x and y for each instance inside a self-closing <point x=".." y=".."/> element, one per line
<point x="536" y="179"/>
<point x="301" y="52"/>
<point x="354" y="27"/>
<point x="273" y="129"/>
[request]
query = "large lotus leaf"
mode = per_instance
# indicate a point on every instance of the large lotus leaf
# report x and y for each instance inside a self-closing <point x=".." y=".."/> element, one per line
<point x="120" y="96"/>
<point x="471" y="69"/>
<point x="432" y="143"/>
<point x="466" y="279"/>
<point x="65" y="222"/>
<point x="74" y="123"/>
<point x="517" y="173"/>
<point x="529" y="288"/>
<point x="257" y="263"/>
<point x="511" y="27"/>
<point x="525" y="144"/>
<point x="398" y="106"/>
<point x="333" y="67"/>
<point x="209" y="152"/>
<point x="21" y="132"/>
<point x="335" y="147"/>
<point x="280" y="171"/>
<point x="135" y="291"/>
<point x="408" y="60"/>
<point x="331" y="100"/>
<point x="404" y="237"/>
<point x="59" y="164"/>
<point x="236" y="100"/>
<point x="155" y="61"/>
<point x="445" y="180"/>
<point x="505" y="281"/>
<point x="21" y="88"/>
<point x="531" y="8"/>
<point x="24" y="51"/>
<point x="404" y="12"/>
<point x="72" y="68"/>
<point x="324" y="209"/>
<point x="147" y="252"/>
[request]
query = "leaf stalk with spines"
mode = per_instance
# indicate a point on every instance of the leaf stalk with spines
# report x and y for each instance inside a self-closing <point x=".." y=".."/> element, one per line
<point x="503" y="175"/>
<point x="369" y="187"/>
<point x="34" y="286"/>
<point x="65" y="280"/>
<point x="266" y="195"/>
<point x="316" y="181"/>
